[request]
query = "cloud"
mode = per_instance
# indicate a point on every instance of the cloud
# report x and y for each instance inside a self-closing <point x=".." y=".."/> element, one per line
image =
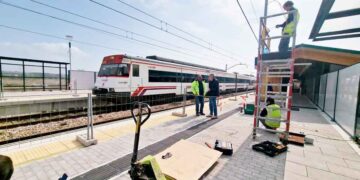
<point x="43" y="51"/>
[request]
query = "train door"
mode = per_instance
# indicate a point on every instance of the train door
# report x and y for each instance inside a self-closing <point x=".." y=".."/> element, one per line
<point x="136" y="80"/>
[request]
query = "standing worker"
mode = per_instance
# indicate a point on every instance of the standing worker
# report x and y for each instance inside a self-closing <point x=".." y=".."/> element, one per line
<point x="213" y="93"/>
<point x="198" y="88"/>
<point x="289" y="26"/>
<point x="271" y="111"/>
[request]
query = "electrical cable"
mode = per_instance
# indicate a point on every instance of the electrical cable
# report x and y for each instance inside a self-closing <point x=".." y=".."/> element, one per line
<point x="116" y="27"/>
<point x="96" y="29"/>
<point x="160" y="28"/>
<point x="109" y="25"/>
<point x="252" y="30"/>
<point x="58" y="37"/>
<point x="175" y="27"/>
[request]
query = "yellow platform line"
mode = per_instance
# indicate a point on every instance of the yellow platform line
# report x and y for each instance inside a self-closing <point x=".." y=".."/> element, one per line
<point x="44" y="151"/>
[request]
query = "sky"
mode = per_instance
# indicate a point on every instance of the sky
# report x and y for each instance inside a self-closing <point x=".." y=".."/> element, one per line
<point x="225" y="36"/>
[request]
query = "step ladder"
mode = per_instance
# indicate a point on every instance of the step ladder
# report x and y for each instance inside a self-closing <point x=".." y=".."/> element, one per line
<point x="274" y="68"/>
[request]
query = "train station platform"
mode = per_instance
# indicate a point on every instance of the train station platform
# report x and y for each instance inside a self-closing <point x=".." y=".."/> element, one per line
<point x="332" y="156"/>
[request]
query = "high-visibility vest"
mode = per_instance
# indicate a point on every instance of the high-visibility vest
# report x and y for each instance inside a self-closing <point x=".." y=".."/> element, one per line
<point x="290" y="28"/>
<point x="273" y="112"/>
<point x="195" y="87"/>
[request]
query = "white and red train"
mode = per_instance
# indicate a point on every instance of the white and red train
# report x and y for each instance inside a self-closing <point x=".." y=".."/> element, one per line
<point x="135" y="76"/>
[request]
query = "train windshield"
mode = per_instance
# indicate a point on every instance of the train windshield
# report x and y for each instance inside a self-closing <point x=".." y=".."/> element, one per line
<point x="114" y="70"/>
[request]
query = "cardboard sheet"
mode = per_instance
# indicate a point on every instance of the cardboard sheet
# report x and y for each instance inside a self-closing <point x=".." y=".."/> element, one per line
<point x="188" y="160"/>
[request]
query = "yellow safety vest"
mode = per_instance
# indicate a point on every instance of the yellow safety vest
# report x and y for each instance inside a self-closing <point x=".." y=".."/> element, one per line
<point x="195" y="87"/>
<point x="290" y="28"/>
<point x="273" y="112"/>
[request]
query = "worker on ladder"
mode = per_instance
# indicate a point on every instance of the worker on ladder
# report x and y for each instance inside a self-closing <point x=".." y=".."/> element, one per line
<point x="273" y="112"/>
<point x="288" y="26"/>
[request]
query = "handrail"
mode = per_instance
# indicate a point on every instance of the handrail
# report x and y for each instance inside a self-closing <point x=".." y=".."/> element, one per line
<point x="279" y="14"/>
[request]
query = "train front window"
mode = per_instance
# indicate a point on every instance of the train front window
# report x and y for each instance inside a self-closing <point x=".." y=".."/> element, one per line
<point x="114" y="70"/>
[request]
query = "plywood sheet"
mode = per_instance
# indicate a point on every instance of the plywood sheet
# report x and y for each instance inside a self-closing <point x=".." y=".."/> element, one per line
<point x="188" y="161"/>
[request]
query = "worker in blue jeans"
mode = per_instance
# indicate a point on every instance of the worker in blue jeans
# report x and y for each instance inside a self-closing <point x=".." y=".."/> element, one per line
<point x="213" y="93"/>
<point x="198" y="88"/>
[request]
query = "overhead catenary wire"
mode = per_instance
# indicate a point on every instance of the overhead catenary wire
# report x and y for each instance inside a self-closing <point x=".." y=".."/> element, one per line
<point x="247" y="20"/>
<point x="110" y="25"/>
<point x="62" y="38"/>
<point x="97" y="29"/>
<point x="175" y="27"/>
<point x="161" y="29"/>
<point x="119" y="28"/>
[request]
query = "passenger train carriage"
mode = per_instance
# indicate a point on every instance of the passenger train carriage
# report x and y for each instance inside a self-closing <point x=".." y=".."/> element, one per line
<point x="153" y="75"/>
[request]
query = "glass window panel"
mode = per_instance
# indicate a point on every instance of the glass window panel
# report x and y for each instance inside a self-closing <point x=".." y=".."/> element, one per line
<point x="12" y="83"/>
<point x="33" y="71"/>
<point x="52" y="78"/>
<point x="32" y="63"/>
<point x="136" y="70"/>
<point x="33" y="83"/>
<point x="12" y="70"/>
<point x="5" y="61"/>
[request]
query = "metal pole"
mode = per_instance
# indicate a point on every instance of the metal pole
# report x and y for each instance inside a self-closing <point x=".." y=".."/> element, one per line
<point x="266" y="11"/>
<point x="1" y="91"/>
<point x="89" y="116"/>
<point x="1" y="79"/>
<point x="60" y="76"/>
<point x="184" y="101"/>
<point x="70" y="54"/>
<point x="236" y="79"/>
<point x="24" y="84"/>
<point x="92" y="117"/>
<point x="75" y="86"/>
<point x="43" y="75"/>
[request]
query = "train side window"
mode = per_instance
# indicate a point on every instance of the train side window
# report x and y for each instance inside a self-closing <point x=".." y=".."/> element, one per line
<point x="135" y="71"/>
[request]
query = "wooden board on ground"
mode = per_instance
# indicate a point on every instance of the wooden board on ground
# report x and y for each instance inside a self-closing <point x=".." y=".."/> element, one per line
<point x="188" y="160"/>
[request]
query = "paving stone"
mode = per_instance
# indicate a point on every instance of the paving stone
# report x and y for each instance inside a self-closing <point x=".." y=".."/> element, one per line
<point x="325" y="158"/>
<point x="295" y="168"/>
<point x="289" y="175"/>
<point x="353" y="164"/>
<point x="352" y="173"/>
<point x="314" y="173"/>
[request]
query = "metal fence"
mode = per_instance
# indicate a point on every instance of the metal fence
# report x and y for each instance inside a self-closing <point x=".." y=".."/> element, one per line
<point x="18" y="74"/>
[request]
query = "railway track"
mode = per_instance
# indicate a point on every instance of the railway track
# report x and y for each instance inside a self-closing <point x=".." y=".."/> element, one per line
<point x="63" y="119"/>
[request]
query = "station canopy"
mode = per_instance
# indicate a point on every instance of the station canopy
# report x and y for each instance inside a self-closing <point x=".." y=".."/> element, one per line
<point x="337" y="20"/>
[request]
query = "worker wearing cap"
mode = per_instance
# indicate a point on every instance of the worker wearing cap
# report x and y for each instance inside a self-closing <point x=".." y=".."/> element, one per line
<point x="273" y="112"/>
<point x="198" y="88"/>
<point x="289" y="26"/>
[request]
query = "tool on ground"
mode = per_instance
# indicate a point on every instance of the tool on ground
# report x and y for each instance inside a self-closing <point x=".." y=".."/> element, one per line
<point x="208" y="145"/>
<point x="224" y="147"/>
<point x="270" y="148"/>
<point x="293" y="138"/>
<point x="63" y="177"/>
<point x="147" y="168"/>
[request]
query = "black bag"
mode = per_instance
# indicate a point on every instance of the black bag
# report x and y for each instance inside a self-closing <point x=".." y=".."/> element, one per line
<point x="269" y="148"/>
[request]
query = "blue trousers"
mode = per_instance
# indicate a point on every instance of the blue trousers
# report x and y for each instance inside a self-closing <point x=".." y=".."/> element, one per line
<point x="212" y="105"/>
<point x="284" y="44"/>
<point x="199" y="100"/>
